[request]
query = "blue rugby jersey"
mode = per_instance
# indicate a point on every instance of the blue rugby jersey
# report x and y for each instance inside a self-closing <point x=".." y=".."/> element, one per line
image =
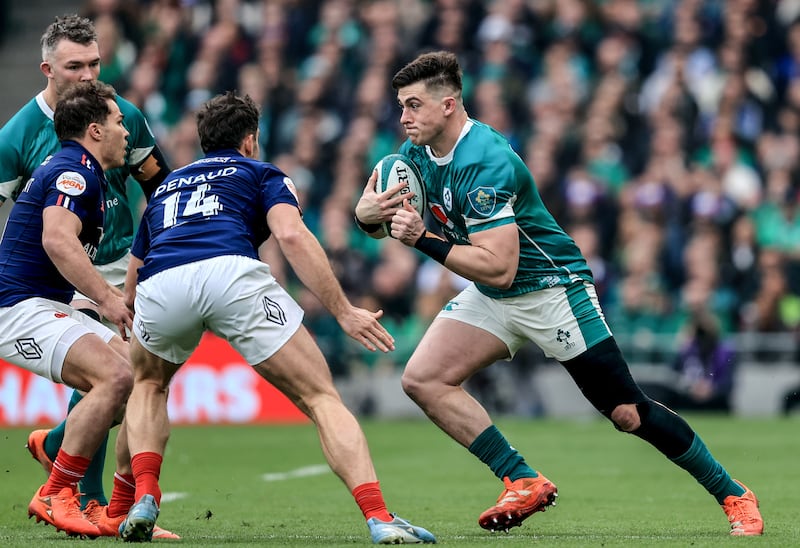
<point x="212" y="207"/>
<point x="73" y="179"/>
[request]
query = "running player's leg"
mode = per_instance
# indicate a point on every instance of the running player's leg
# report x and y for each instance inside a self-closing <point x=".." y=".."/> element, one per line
<point x="451" y="352"/>
<point x="603" y="376"/>
<point x="147" y="432"/>
<point x="299" y="370"/>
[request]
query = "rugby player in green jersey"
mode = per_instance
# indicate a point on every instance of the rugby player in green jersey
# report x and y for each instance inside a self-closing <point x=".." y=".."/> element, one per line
<point x="529" y="283"/>
<point x="70" y="53"/>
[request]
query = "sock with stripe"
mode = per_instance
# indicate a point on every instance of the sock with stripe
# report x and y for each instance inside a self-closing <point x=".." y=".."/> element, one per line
<point x="123" y="496"/>
<point x="67" y="472"/>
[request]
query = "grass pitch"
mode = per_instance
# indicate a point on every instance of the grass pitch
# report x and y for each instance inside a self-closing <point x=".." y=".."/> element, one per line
<point x="269" y="486"/>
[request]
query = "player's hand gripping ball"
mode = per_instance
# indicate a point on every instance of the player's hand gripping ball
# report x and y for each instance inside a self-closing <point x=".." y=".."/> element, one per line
<point x="398" y="168"/>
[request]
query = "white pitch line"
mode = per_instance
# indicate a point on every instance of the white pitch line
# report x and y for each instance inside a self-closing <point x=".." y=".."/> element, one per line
<point x="314" y="470"/>
<point x="169" y="497"/>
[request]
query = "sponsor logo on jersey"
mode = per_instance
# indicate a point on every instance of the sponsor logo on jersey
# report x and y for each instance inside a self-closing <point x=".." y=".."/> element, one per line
<point x="90" y="250"/>
<point x="483" y="200"/>
<point x="440" y="215"/>
<point x="71" y="183"/>
<point x="86" y="161"/>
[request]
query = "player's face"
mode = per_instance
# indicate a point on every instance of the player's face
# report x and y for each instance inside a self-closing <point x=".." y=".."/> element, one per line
<point x="115" y="138"/>
<point x="71" y="63"/>
<point x="423" y="114"/>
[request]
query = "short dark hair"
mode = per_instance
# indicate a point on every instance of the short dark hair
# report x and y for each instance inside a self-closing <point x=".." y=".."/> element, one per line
<point x="438" y="69"/>
<point x="80" y="105"/>
<point x="225" y="120"/>
<point x="67" y="27"/>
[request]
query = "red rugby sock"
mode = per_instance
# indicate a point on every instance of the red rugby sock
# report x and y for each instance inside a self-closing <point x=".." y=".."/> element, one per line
<point x="123" y="496"/>
<point x="147" y="469"/>
<point x="370" y="499"/>
<point x="67" y="472"/>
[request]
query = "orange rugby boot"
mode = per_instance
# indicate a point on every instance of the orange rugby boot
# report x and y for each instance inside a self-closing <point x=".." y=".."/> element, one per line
<point x="35" y="447"/>
<point x="520" y="499"/>
<point x="109" y="526"/>
<point x="743" y="514"/>
<point x="62" y="511"/>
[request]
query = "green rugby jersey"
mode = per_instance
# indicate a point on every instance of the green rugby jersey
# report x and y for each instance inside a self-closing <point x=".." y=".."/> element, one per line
<point x="482" y="183"/>
<point x="29" y="138"/>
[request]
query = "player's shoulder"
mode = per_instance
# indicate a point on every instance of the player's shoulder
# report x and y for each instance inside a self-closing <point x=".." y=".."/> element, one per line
<point x="27" y="121"/>
<point x="72" y="157"/>
<point x="127" y="108"/>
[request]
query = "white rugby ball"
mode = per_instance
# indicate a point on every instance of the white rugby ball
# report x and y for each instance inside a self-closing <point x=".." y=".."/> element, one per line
<point x="398" y="168"/>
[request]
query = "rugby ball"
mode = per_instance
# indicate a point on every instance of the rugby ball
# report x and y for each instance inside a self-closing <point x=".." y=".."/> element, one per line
<point x="398" y="168"/>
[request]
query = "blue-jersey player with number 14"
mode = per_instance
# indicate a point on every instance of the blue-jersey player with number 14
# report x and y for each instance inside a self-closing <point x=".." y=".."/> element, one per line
<point x="531" y="283"/>
<point x="196" y="262"/>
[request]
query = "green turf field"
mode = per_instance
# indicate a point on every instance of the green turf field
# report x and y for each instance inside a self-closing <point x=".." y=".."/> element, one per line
<point x="247" y="486"/>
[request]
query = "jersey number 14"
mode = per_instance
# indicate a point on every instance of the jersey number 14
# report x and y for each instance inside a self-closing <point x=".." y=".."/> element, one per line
<point x="198" y="203"/>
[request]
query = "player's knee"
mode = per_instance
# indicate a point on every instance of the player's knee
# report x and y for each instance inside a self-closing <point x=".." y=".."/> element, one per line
<point x="119" y="380"/>
<point x="626" y="417"/>
<point x="409" y="383"/>
<point x="413" y="384"/>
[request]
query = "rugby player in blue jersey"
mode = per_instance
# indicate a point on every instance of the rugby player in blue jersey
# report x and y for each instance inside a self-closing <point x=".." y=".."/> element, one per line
<point x="52" y="235"/>
<point x="70" y="53"/>
<point x="196" y="263"/>
<point x="530" y="284"/>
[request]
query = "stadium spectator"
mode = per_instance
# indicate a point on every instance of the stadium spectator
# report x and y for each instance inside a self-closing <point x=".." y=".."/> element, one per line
<point x="53" y="232"/>
<point x="197" y="248"/>
<point x="629" y="91"/>
<point x="70" y="53"/>
<point x="704" y="366"/>
<point x="530" y="284"/>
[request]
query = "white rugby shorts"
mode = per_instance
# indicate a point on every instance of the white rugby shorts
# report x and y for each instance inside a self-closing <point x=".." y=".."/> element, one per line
<point x="234" y="297"/>
<point x="563" y="321"/>
<point x="36" y="334"/>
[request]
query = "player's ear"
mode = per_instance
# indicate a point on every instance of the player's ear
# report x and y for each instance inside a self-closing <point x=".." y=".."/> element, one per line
<point x="94" y="131"/>
<point x="250" y="145"/>
<point x="46" y="69"/>
<point x="448" y="105"/>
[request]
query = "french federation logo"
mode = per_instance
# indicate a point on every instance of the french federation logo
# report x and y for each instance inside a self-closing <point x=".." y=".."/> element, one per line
<point x="483" y="200"/>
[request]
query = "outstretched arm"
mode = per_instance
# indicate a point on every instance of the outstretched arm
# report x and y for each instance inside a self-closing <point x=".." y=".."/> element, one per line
<point x="310" y="263"/>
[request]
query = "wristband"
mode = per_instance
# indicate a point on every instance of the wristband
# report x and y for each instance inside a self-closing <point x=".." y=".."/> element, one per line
<point x="435" y="248"/>
<point x="369" y="229"/>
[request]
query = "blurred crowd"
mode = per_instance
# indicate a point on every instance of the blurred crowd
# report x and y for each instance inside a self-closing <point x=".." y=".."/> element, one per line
<point x="662" y="134"/>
